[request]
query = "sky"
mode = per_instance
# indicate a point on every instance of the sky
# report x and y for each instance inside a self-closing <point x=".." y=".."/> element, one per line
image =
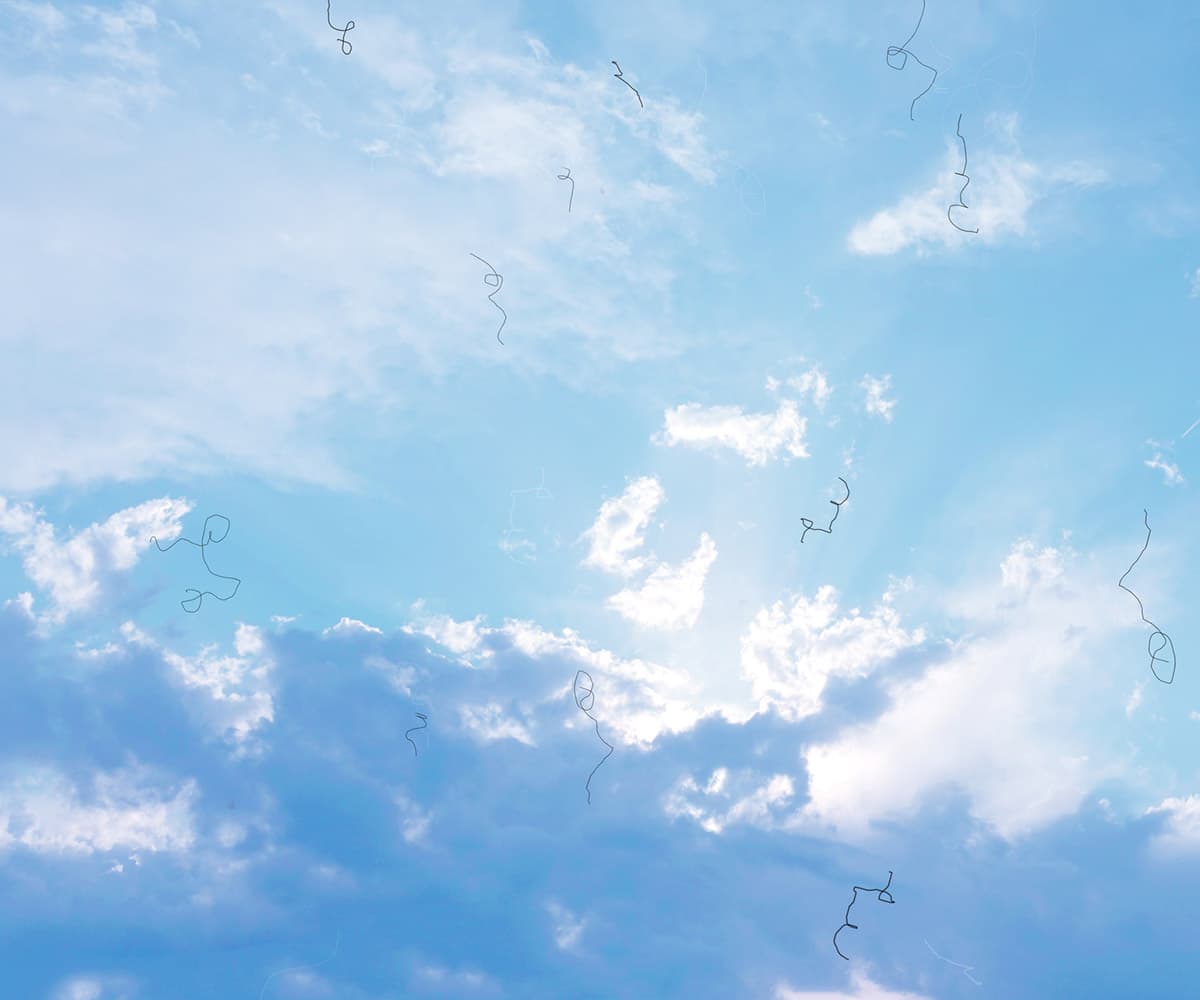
<point x="473" y="525"/>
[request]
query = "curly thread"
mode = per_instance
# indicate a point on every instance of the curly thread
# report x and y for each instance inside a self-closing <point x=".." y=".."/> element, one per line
<point x="853" y="899"/>
<point x="206" y="539"/>
<point x="297" y="968"/>
<point x="1166" y="639"/>
<point x="902" y="50"/>
<point x="424" y="725"/>
<point x="567" y="177"/>
<point x="966" y="968"/>
<point x="589" y="697"/>
<point x="347" y="48"/>
<point x="966" y="180"/>
<point x="618" y="75"/>
<point x="497" y="284"/>
<point x="808" y="525"/>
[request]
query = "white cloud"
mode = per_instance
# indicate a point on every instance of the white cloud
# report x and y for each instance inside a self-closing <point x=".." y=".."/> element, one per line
<point x="1003" y="187"/>
<point x="1135" y="699"/>
<point x="489" y="722"/>
<point x="345" y="624"/>
<point x="1171" y="474"/>
<point x="1181" y="831"/>
<point x="999" y="718"/>
<point x="76" y="572"/>
<point x="235" y="696"/>
<point x="414" y="821"/>
<point x="41" y="810"/>
<point x="790" y="654"/>
<point x="757" y="437"/>
<point x="620" y="527"/>
<point x="672" y="596"/>
<point x="567" y="927"/>
<point x="862" y="989"/>
<point x="1196" y="283"/>
<point x="722" y="804"/>
<point x="812" y="381"/>
<point x="93" y="986"/>
<point x="875" y="403"/>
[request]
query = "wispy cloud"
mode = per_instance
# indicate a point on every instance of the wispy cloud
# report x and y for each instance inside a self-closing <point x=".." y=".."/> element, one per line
<point x="620" y="527"/>
<point x="875" y="402"/>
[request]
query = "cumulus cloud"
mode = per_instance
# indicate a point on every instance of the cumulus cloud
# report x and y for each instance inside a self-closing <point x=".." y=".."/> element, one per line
<point x="1181" y="831"/>
<point x="620" y="527"/>
<point x="672" y="596"/>
<point x="757" y="437"/>
<point x="875" y="402"/>
<point x="234" y="696"/>
<point x="722" y="803"/>
<point x="77" y="572"/>
<point x="345" y="624"/>
<point x="998" y="718"/>
<point x="489" y="722"/>
<point x="43" y="811"/>
<point x="789" y="654"/>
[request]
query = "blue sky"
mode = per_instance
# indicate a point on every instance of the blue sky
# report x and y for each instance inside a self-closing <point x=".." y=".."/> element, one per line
<point x="238" y="280"/>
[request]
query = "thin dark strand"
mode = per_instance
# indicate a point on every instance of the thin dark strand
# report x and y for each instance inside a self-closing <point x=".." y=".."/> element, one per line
<point x="853" y="900"/>
<point x="424" y="725"/>
<point x="902" y="50"/>
<point x="567" y="177"/>
<point x="618" y="75"/>
<point x="966" y="180"/>
<point x="499" y="283"/>
<point x="347" y="48"/>
<point x="837" y="505"/>
<point x="206" y="536"/>
<point x="584" y="700"/>
<point x="1154" y="657"/>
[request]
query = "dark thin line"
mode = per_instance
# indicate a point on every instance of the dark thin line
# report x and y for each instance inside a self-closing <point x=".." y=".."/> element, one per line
<point x="808" y="525"/>
<point x="853" y="900"/>
<point x="347" y="48"/>
<point x="567" y="177"/>
<point x="618" y="75"/>
<point x="966" y="180"/>
<point x="206" y="539"/>
<point x="498" y="285"/>
<point x="1154" y="658"/>
<point x="894" y="50"/>
<point x="424" y="725"/>
<point x="589" y="696"/>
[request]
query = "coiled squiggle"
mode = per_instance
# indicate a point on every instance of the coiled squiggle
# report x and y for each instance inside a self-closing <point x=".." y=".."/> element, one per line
<point x="584" y="701"/>
<point x="966" y="180"/>
<point x="853" y="899"/>
<point x="347" y="48"/>
<point x="424" y="725"/>
<point x="567" y="177"/>
<point x="206" y="538"/>
<point x="897" y="50"/>
<point x="499" y="283"/>
<point x="966" y="968"/>
<point x="808" y="525"/>
<point x="1166" y="639"/>
<point x="618" y="75"/>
